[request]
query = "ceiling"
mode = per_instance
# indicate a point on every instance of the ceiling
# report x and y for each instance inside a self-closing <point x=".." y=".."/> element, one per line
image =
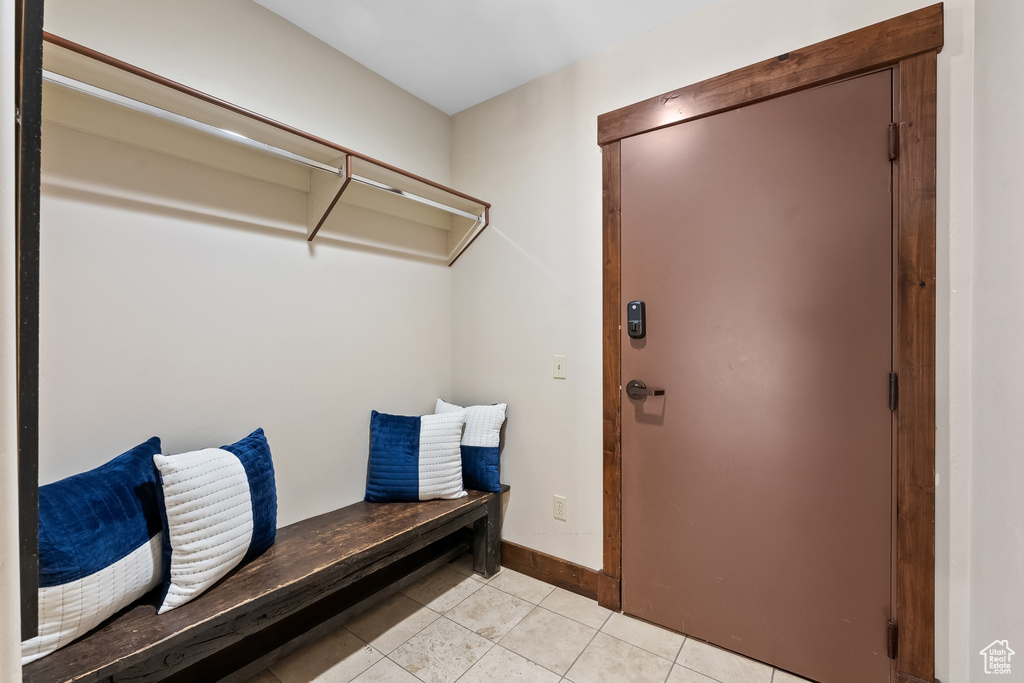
<point x="457" y="53"/>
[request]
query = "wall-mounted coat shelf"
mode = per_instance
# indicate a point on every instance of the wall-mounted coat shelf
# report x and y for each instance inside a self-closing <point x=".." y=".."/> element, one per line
<point x="95" y="93"/>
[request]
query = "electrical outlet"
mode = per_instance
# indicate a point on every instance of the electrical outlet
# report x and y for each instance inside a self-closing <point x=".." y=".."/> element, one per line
<point x="559" y="367"/>
<point x="561" y="508"/>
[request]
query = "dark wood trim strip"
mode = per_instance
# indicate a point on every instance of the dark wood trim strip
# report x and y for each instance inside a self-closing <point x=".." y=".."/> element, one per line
<point x="210" y="99"/>
<point x="915" y="364"/>
<point x="612" y="315"/>
<point x="869" y="48"/>
<point x="28" y="172"/>
<point x="337" y="198"/>
<point x="562" y="573"/>
<point x="609" y="592"/>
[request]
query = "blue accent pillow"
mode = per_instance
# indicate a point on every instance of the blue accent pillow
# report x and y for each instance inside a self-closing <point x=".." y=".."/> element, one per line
<point x="481" y="444"/>
<point x="415" y="458"/>
<point x="254" y="453"/>
<point x="99" y="546"/>
<point x="91" y="520"/>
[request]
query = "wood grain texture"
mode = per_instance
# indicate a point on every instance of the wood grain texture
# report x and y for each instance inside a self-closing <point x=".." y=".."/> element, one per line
<point x="29" y="30"/>
<point x="554" y="570"/>
<point x="210" y="99"/>
<point x="869" y="48"/>
<point x="611" y="390"/>
<point x="310" y="560"/>
<point x="915" y="363"/>
<point x="609" y="592"/>
<point x="487" y="538"/>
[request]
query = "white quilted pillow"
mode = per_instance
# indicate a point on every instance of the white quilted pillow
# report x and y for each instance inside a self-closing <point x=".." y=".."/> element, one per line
<point x="481" y="444"/>
<point x="209" y="519"/>
<point x="415" y="458"/>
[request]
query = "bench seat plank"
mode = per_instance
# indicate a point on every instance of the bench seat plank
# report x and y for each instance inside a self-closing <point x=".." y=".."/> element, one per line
<point x="310" y="559"/>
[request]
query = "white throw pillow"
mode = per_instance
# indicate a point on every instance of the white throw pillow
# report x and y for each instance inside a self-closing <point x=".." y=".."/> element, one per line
<point x="221" y="509"/>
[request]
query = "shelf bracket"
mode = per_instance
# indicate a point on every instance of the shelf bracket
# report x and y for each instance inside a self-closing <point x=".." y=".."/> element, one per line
<point x="325" y="189"/>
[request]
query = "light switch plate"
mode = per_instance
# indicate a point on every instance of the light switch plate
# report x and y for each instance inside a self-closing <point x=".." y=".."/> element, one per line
<point x="559" y="367"/>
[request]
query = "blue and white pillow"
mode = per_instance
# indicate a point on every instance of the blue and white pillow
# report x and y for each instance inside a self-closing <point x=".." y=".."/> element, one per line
<point x="415" y="458"/>
<point x="99" y="547"/>
<point x="481" y="444"/>
<point x="221" y="510"/>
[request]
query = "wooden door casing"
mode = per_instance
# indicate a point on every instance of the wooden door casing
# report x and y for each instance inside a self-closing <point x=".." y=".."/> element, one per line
<point x="909" y="44"/>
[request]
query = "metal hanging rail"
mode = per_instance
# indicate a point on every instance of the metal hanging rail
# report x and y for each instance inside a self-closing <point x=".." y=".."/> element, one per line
<point x="165" y="115"/>
<point x="415" y="197"/>
<point x="238" y="138"/>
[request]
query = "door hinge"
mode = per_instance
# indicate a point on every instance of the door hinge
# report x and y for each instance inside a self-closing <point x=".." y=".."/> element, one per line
<point x="894" y="391"/>
<point x="892" y="639"/>
<point x="894" y="140"/>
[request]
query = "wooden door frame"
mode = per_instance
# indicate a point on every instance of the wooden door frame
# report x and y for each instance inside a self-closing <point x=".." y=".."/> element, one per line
<point x="907" y="44"/>
<point x="28" y="95"/>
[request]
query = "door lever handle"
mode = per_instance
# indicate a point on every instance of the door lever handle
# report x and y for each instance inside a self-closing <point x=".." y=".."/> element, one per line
<point x="636" y="390"/>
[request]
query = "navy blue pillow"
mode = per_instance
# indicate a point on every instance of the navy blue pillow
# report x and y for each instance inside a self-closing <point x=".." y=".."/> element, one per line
<point x="254" y="453"/>
<point x="415" y="458"/>
<point x="92" y="520"/>
<point x="99" y="547"/>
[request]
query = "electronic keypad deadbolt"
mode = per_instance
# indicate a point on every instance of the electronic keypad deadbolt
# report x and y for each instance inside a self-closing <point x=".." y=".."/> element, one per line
<point x="636" y="319"/>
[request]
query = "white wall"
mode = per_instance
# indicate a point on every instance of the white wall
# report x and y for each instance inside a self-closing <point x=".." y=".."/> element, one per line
<point x="997" y="465"/>
<point x="182" y="301"/>
<point x="10" y="602"/>
<point x="245" y="54"/>
<point x="531" y="285"/>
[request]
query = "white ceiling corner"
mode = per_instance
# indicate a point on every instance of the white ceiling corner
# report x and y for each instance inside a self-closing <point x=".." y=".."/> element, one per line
<point x="456" y="53"/>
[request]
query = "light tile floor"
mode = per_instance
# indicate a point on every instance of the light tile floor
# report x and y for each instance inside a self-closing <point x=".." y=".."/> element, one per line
<point x="453" y="625"/>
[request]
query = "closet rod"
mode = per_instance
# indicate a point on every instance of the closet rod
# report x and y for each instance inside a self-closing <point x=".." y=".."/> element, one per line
<point x="165" y="115"/>
<point x="416" y="198"/>
<point x="185" y="121"/>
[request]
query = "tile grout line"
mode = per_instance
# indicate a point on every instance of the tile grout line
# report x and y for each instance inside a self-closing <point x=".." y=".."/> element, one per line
<point x="443" y="615"/>
<point x="406" y="642"/>
<point x="553" y="588"/>
<point x="674" y="661"/>
<point x="701" y="673"/>
<point x="387" y="655"/>
<point x="535" y="608"/>
<point x="589" y="642"/>
<point x="640" y="647"/>
<point x="463" y="674"/>
<point x="537" y="604"/>
<point x="342" y="627"/>
<point x="534" y="605"/>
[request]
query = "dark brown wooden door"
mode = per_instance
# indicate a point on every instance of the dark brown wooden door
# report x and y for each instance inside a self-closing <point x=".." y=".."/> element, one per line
<point x="757" y="491"/>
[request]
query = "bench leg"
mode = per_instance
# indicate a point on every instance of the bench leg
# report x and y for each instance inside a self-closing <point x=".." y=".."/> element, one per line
<point x="487" y="539"/>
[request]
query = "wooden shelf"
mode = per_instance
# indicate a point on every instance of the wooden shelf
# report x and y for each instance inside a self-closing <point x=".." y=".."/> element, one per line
<point x="91" y="92"/>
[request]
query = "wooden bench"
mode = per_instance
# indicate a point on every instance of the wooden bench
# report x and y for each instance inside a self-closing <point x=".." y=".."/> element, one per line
<point x="319" y="571"/>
